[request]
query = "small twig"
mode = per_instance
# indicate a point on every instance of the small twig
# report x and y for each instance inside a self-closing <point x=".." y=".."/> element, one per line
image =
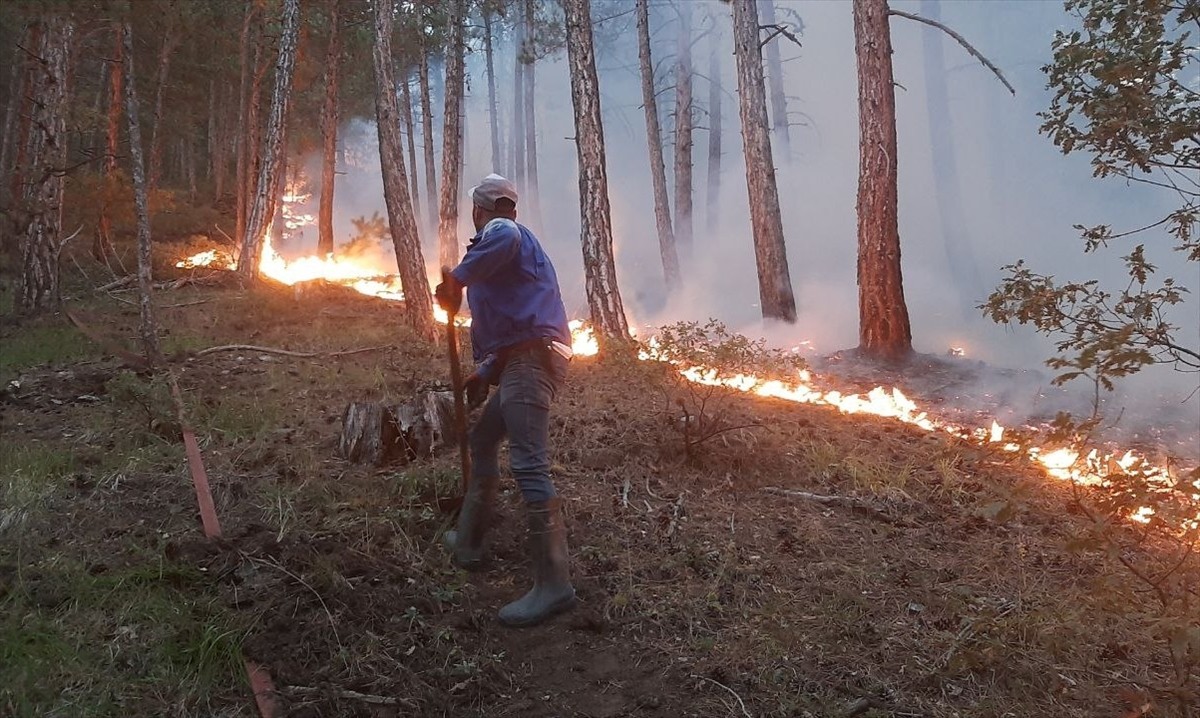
<point x="961" y="41"/>
<point x="329" y="614"/>
<point x="732" y="692"/>
<point x="286" y="352"/>
<point x="218" y="228"/>
<point x="185" y="304"/>
<point x="352" y="695"/>
<point x="117" y="284"/>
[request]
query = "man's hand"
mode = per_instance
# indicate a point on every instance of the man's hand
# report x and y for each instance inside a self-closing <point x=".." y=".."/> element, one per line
<point x="449" y="292"/>
<point x="476" y="388"/>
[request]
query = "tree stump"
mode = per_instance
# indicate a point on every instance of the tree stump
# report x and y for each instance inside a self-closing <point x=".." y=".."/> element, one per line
<point x="376" y="433"/>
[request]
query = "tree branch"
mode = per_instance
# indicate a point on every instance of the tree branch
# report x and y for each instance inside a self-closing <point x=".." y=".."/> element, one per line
<point x="961" y="41"/>
<point x="779" y="30"/>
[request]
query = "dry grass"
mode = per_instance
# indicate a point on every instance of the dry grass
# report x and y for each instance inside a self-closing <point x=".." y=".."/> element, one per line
<point x="702" y="593"/>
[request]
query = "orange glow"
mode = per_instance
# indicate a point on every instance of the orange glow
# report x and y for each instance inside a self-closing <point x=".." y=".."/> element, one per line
<point x="1091" y="469"/>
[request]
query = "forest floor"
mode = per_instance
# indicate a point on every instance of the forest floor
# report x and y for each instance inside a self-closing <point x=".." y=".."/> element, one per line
<point x="943" y="588"/>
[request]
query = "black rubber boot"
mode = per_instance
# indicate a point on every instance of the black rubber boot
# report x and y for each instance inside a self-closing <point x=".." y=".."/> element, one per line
<point x="466" y="543"/>
<point x="552" y="592"/>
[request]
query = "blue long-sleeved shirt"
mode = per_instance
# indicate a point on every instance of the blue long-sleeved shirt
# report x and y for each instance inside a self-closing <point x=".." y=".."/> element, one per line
<point x="512" y="291"/>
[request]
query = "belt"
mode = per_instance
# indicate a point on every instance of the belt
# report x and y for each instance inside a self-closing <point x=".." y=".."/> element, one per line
<point x="547" y="344"/>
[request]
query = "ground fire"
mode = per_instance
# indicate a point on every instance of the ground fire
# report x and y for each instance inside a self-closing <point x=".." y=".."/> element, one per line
<point x="1091" y="468"/>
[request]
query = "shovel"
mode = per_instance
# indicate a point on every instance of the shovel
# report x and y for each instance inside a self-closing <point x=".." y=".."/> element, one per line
<point x="452" y="504"/>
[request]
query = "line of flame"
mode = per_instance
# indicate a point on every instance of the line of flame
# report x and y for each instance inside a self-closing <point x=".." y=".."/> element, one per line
<point x="1063" y="464"/>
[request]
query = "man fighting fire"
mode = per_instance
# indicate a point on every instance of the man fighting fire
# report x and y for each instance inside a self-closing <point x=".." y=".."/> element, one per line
<point x="521" y="345"/>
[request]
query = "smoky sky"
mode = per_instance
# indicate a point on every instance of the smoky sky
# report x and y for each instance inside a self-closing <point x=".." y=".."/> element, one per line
<point x="1017" y="194"/>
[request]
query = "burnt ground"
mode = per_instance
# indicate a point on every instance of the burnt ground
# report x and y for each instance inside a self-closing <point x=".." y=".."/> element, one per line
<point x="942" y="584"/>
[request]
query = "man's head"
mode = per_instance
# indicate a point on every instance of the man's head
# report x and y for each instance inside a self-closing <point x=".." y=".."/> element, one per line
<point x="493" y="197"/>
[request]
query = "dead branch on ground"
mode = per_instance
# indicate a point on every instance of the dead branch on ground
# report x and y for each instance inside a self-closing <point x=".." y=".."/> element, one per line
<point x="286" y="352"/>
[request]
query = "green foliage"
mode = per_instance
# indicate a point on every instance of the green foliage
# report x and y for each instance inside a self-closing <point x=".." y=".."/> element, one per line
<point x="712" y="345"/>
<point x="1125" y="93"/>
<point x="702" y="409"/>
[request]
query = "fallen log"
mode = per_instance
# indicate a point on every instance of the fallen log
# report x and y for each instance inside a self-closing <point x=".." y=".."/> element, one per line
<point x="376" y="433"/>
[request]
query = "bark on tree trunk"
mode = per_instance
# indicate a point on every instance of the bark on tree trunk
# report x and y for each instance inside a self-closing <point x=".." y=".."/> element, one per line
<point x="683" y="132"/>
<point x="248" y="67"/>
<point x="427" y="137"/>
<point x="16" y="186"/>
<point x="883" y="326"/>
<point x="160" y="91"/>
<point x="418" y="303"/>
<point x="15" y="92"/>
<point x="448" y="251"/>
<point x="518" y="126"/>
<point x="533" y="201"/>
<point x="414" y="181"/>
<point x="44" y="157"/>
<point x="220" y="149"/>
<point x="102" y="244"/>
<point x="774" y="279"/>
<point x="329" y="122"/>
<point x="712" y="195"/>
<point x="493" y="120"/>
<point x="658" y="171"/>
<point x="272" y="161"/>
<point x="147" y="327"/>
<point x="604" y="296"/>
<point x="779" y="113"/>
<point x="964" y="270"/>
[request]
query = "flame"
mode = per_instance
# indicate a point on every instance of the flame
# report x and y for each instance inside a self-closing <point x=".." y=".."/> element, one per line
<point x="209" y="258"/>
<point x="1059" y="463"/>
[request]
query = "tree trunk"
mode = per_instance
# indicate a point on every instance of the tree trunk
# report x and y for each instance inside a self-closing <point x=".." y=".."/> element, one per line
<point x="248" y="67"/>
<point x="883" y="326"/>
<point x="220" y="149"/>
<point x="779" y="113"/>
<point x="160" y="91"/>
<point x="493" y="120"/>
<point x="604" y="296"/>
<point x="448" y="252"/>
<point x="533" y="203"/>
<point x="24" y="122"/>
<point x="658" y="171"/>
<point x="418" y="303"/>
<point x="427" y="136"/>
<point x="268" y="173"/>
<point x="683" y="131"/>
<point x="770" y="253"/>
<point x="15" y="97"/>
<point x="329" y="123"/>
<point x="964" y="270"/>
<point x="147" y="327"/>
<point x="45" y="156"/>
<point x="189" y="164"/>
<point x="518" y="127"/>
<point x="102" y="244"/>
<point x="414" y="180"/>
<point x="712" y="195"/>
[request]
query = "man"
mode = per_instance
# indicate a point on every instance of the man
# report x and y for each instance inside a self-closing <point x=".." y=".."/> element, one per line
<point x="521" y="345"/>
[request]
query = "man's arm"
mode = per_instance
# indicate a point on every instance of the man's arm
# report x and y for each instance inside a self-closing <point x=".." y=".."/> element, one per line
<point x="499" y="244"/>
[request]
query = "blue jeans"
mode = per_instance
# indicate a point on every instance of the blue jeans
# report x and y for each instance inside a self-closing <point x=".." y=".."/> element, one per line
<point x="520" y="410"/>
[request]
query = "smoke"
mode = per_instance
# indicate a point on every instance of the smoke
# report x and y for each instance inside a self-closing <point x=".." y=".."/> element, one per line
<point x="1020" y="196"/>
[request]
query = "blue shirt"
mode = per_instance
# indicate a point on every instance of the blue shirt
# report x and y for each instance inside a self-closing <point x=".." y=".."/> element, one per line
<point x="512" y="291"/>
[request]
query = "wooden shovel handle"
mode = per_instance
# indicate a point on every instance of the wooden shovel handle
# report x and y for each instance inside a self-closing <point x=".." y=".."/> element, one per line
<point x="456" y="380"/>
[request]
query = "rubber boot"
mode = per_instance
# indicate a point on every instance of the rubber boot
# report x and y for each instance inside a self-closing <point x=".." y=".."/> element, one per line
<point x="552" y="592"/>
<point x="466" y="543"/>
